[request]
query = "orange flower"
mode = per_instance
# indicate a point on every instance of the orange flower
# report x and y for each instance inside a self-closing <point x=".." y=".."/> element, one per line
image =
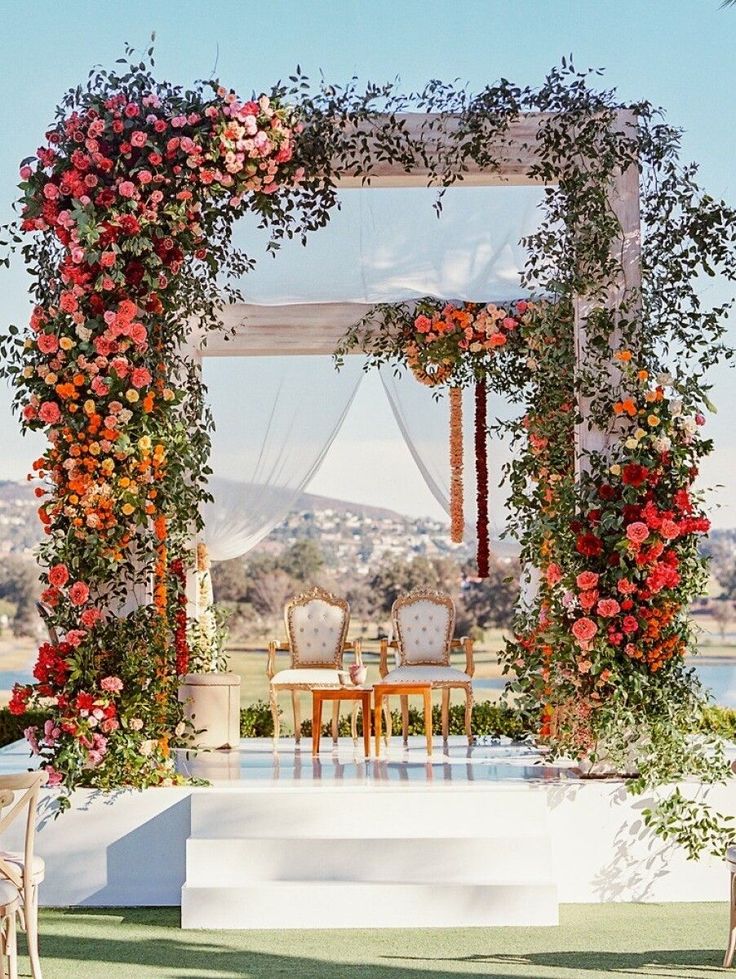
<point x="623" y="355"/>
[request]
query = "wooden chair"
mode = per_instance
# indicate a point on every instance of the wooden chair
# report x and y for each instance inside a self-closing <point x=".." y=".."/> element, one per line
<point x="423" y="625"/>
<point x="23" y="871"/>
<point x="316" y="627"/>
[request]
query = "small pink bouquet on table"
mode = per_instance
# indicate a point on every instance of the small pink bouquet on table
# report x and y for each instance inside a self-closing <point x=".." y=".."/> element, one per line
<point x="358" y="674"/>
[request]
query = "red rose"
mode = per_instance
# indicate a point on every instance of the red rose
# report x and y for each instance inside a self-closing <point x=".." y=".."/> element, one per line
<point x="634" y="475"/>
<point x="589" y="545"/>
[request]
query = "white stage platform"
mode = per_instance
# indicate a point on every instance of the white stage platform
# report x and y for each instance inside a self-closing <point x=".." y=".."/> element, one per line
<point x="479" y="836"/>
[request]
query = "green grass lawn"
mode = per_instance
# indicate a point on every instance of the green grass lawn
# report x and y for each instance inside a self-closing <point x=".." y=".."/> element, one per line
<point x="677" y="941"/>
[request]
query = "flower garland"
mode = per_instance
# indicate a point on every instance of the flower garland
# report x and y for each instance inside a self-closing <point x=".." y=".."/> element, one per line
<point x="454" y="346"/>
<point x="457" y="517"/>
<point x="481" y="474"/>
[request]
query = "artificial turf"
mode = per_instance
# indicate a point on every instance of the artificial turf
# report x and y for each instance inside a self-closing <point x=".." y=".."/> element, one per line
<point x="676" y="941"/>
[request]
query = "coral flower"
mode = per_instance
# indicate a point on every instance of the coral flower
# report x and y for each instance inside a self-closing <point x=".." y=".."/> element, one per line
<point x="58" y="575"/>
<point x="637" y="532"/>
<point x="584" y="629"/>
<point x="586" y="580"/>
<point x="78" y="593"/>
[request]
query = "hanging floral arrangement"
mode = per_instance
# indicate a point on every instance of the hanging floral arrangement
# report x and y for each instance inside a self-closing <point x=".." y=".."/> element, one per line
<point x="449" y="346"/>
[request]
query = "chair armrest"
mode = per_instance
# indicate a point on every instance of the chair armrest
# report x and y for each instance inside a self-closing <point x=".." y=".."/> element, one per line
<point x="273" y="648"/>
<point x="467" y="643"/>
<point x="383" y="663"/>
<point x="271" y="663"/>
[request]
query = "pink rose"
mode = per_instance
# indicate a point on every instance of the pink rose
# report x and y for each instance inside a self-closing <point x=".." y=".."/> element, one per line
<point x="588" y="599"/>
<point x="47" y="343"/>
<point x="49" y="413"/>
<point x="586" y="580"/>
<point x="107" y="260"/>
<point x="553" y="574"/>
<point x="111" y="684"/>
<point x="608" y="607"/>
<point x="58" y="575"/>
<point x="74" y="637"/>
<point x="78" y="593"/>
<point x="669" y="530"/>
<point x="90" y="617"/>
<point x="138" y="138"/>
<point x="140" y="377"/>
<point x="630" y="624"/>
<point x="25" y="172"/>
<point x="637" y="532"/>
<point x="50" y="192"/>
<point x="584" y="629"/>
<point x="126" y="188"/>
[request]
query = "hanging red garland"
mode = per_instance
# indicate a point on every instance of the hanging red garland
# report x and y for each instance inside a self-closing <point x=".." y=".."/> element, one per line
<point x="457" y="516"/>
<point x="181" y="645"/>
<point x="481" y="472"/>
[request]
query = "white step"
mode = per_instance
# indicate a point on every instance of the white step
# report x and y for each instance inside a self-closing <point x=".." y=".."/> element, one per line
<point x="296" y="904"/>
<point x="464" y="860"/>
<point x="492" y="812"/>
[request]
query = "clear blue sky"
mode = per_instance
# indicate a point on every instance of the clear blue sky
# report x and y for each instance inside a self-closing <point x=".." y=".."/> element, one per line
<point x="676" y="53"/>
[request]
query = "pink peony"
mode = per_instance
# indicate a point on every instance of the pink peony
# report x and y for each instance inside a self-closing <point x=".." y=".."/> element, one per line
<point x="78" y="593"/>
<point x="111" y="684"/>
<point x="58" y="575"/>
<point x="608" y="607"/>
<point x="587" y="580"/>
<point x="637" y="532"/>
<point x="584" y="629"/>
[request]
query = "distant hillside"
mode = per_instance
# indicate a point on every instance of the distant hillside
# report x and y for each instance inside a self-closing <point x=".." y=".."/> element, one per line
<point x="313" y="502"/>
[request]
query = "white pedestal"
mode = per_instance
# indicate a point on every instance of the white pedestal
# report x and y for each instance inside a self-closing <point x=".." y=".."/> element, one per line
<point x="212" y="704"/>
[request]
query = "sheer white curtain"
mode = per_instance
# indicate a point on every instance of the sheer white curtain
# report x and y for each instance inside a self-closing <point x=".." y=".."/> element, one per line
<point x="275" y="419"/>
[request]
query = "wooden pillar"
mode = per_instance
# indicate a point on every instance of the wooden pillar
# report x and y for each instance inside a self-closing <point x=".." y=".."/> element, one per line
<point x="624" y="200"/>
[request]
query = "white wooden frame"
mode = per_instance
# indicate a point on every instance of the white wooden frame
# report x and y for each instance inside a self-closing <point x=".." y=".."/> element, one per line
<point x="316" y="328"/>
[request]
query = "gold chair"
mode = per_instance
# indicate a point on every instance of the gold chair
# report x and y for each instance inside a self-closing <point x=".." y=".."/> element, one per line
<point x="24" y="871"/>
<point x="316" y="627"/>
<point x="423" y="626"/>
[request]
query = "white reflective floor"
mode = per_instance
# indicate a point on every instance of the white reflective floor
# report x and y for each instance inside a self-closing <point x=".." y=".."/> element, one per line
<point x="255" y="762"/>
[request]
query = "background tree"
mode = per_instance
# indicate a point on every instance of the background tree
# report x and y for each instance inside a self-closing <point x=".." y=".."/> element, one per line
<point x="20" y="586"/>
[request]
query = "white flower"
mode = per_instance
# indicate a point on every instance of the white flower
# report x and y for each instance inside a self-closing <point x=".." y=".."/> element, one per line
<point x="83" y="333"/>
<point x="631" y="443"/>
<point x="662" y="443"/>
<point x="147" y="747"/>
<point x="688" y="425"/>
<point x="532" y="363"/>
<point x="180" y="729"/>
<point x="676" y="407"/>
<point x="135" y="724"/>
<point x="665" y="379"/>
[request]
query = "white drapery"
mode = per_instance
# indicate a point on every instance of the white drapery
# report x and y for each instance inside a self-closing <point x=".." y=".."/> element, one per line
<point x="277" y="417"/>
<point x="275" y="421"/>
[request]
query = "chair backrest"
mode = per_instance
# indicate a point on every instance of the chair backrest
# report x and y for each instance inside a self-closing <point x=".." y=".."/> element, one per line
<point x="317" y="626"/>
<point x="424" y="623"/>
<point x="19" y="792"/>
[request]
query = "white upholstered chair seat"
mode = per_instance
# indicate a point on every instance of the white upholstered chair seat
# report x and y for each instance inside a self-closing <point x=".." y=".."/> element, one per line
<point x="306" y="677"/>
<point x="427" y="674"/>
<point x="16" y="858"/>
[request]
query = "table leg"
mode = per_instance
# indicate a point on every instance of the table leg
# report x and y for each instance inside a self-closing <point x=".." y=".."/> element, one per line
<point x="316" y="721"/>
<point x="367" y="724"/>
<point x="377" y="722"/>
<point x="428" y="719"/>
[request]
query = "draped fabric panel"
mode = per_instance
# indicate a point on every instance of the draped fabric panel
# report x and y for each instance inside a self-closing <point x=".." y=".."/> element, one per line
<point x="276" y="418"/>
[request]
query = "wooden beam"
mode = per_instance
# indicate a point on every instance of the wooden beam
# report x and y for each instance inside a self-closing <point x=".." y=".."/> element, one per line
<point x="515" y="151"/>
<point x="293" y="330"/>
